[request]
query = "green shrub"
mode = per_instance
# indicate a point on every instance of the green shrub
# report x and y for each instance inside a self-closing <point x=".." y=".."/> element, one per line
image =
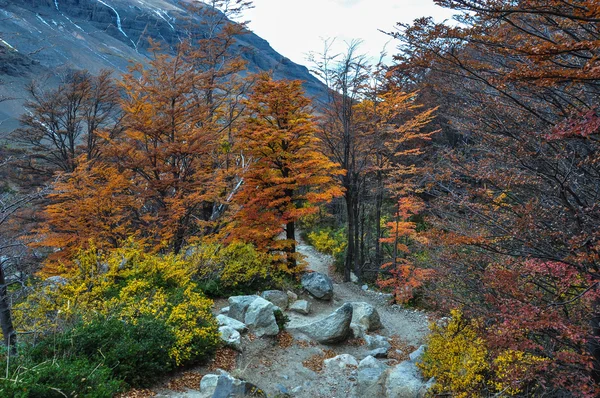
<point x="281" y="319"/>
<point x="57" y="378"/>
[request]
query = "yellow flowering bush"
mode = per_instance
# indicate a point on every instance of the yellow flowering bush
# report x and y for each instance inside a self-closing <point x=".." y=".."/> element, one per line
<point x="513" y="368"/>
<point x="457" y="357"/>
<point x="328" y="241"/>
<point x="235" y="265"/>
<point x="130" y="285"/>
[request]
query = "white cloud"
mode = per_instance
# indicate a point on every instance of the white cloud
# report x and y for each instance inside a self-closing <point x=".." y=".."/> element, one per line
<point x="294" y="28"/>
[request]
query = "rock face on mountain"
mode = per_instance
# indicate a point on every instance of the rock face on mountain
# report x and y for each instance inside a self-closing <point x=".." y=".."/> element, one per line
<point x="44" y="38"/>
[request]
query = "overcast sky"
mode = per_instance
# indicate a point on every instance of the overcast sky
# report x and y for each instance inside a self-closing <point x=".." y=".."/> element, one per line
<point x="296" y="27"/>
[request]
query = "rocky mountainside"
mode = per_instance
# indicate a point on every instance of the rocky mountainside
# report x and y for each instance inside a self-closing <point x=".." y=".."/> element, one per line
<point x="43" y="38"/>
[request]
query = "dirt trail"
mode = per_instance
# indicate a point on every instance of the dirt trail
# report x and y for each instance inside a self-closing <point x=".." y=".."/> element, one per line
<point x="279" y="370"/>
<point x="409" y="324"/>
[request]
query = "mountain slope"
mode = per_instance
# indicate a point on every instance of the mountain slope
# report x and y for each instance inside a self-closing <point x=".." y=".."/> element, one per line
<point x="44" y="38"/>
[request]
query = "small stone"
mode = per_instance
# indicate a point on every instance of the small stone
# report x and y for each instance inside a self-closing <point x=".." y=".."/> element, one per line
<point x="353" y="277"/>
<point x="282" y="389"/>
<point x="358" y="331"/>
<point x="415" y="356"/>
<point x="378" y="353"/>
<point x="231" y="337"/>
<point x="224" y="310"/>
<point x="365" y="287"/>
<point x="291" y="296"/>
<point x="374" y="342"/>
<point x="340" y="362"/>
<point x="301" y="307"/>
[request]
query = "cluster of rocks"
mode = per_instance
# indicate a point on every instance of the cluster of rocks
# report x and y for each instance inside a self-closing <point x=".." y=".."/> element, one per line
<point x="370" y="377"/>
<point x="258" y="313"/>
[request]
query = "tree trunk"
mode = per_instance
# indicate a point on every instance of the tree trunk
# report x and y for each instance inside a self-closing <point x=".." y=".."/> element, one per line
<point x="356" y="265"/>
<point x="378" y="207"/>
<point x="8" y="329"/>
<point x="290" y="235"/>
<point x="349" y="263"/>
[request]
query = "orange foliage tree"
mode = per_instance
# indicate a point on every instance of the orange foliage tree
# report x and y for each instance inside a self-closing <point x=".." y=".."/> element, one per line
<point x="92" y="204"/>
<point x="171" y="147"/>
<point x="288" y="176"/>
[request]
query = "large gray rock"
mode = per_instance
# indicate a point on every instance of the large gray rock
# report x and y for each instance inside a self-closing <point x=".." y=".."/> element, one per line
<point x="277" y="297"/>
<point x="224" y="320"/>
<point x="301" y="307"/>
<point x="404" y="381"/>
<point x="260" y="318"/>
<point x="371" y="377"/>
<point x="319" y="285"/>
<point x="366" y="315"/>
<point x="224" y="385"/>
<point x="238" y="306"/>
<point x="330" y="330"/>
<point x="231" y="337"/>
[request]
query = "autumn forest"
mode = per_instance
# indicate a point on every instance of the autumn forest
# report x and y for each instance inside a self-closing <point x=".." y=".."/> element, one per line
<point x="462" y="179"/>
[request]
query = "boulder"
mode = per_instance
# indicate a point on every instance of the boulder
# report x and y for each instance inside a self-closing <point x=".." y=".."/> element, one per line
<point x="335" y="328"/>
<point x="231" y="337"/>
<point x="277" y="297"/>
<point x="224" y="311"/>
<point x="238" y="306"/>
<point x="301" y="307"/>
<point x="224" y="320"/>
<point x="224" y="385"/>
<point x="260" y="318"/>
<point x="319" y="285"/>
<point x="366" y="315"/>
<point x="342" y="361"/>
<point x="376" y="342"/>
<point x="371" y="377"/>
<point x="404" y="381"/>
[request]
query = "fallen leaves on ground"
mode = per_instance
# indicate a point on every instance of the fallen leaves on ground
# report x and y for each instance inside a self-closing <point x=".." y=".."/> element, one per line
<point x="187" y="380"/>
<point x="356" y="342"/>
<point x="315" y="362"/>
<point x="400" y="348"/>
<point x="285" y="340"/>
<point x="225" y="358"/>
<point x="137" y="393"/>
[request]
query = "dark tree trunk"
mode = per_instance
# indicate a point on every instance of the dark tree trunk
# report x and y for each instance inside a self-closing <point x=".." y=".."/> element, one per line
<point x="349" y="263"/>
<point x="356" y="265"/>
<point x="594" y="342"/>
<point x="290" y="235"/>
<point x="8" y="329"/>
<point x="378" y="207"/>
